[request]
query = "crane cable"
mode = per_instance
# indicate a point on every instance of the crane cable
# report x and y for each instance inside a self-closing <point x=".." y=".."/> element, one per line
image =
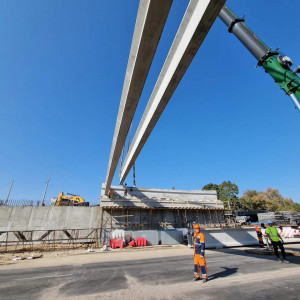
<point x="121" y="165"/>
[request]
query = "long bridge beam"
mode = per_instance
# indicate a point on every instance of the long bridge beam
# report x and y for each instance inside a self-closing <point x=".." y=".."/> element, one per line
<point x="197" y="21"/>
<point x="151" y="18"/>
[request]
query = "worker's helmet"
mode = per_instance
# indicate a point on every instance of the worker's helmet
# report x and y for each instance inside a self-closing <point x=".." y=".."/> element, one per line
<point x="196" y="226"/>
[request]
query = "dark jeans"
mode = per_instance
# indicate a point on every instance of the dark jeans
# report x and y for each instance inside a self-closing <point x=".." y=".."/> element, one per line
<point x="275" y="247"/>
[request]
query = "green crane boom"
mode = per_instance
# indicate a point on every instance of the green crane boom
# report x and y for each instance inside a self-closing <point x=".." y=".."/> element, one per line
<point x="274" y="63"/>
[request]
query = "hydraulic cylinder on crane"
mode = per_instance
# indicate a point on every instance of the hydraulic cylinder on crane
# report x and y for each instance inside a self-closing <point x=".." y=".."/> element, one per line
<point x="273" y="62"/>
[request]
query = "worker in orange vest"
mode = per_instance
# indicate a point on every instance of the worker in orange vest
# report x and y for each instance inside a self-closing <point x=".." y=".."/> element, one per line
<point x="111" y="194"/>
<point x="259" y="236"/>
<point x="199" y="252"/>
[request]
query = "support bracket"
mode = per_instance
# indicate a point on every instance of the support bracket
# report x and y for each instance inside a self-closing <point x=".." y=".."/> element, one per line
<point x="237" y="20"/>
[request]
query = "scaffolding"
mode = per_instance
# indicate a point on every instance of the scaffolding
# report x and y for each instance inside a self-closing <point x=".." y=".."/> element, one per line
<point x="49" y="240"/>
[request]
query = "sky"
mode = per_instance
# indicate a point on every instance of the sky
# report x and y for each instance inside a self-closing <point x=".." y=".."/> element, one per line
<point x="62" y="69"/>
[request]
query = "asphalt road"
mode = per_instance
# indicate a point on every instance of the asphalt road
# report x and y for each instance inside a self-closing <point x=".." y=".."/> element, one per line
<point x="233" y="274"/>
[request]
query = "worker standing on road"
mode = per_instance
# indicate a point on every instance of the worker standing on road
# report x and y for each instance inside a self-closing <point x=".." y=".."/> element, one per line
<point x="276" y="241"/>
<point x="199" y="252"/>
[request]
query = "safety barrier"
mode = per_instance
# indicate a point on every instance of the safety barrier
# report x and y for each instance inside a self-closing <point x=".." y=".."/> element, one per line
<point x="230" y="237"/>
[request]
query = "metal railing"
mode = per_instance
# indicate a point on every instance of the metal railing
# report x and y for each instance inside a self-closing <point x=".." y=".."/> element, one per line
<point x="22" y="202"/>
<point x="26" y="202"/>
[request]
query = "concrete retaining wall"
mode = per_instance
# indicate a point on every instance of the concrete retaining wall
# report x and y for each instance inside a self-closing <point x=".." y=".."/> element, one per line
<point x="60" y="218"/>
<point x="48" y="218"/>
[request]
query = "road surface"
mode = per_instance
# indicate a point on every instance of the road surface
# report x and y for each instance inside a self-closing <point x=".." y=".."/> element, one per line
<point x="163" y="274"/>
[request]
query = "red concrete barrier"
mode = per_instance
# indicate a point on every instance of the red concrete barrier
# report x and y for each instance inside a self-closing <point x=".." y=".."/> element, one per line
<point x="140" y="242"/>
<point x="116" y="243"/>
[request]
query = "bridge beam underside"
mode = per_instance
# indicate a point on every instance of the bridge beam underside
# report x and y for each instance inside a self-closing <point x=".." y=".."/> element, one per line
<point x="151" y="18"/>
<point x="196" y="23"/>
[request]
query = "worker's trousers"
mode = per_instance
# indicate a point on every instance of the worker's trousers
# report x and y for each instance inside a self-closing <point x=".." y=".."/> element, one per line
<point x="275" y="247"/>
<point x="200" y="264"/>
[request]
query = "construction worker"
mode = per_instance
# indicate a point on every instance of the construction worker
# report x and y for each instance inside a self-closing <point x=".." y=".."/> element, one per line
<point x="125" y="189"/>
<point x="199" y="252"/>
<point x="111" y="194"/>
<point x="276" y="241"/>
<point x="259" y="236"/>
<point x="265" y="236"/>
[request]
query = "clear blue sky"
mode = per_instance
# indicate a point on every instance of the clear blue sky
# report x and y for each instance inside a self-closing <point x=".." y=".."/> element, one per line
<point x="62" y="67"/>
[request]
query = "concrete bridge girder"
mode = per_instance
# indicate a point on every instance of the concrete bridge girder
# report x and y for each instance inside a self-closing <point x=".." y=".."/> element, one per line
<point x="197" y="21"/>
<point x="151" y="18"/>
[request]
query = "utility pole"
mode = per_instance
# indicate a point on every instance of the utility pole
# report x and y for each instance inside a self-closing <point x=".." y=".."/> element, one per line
<point x="12" y="183"/>
<point x="43" y="204"/>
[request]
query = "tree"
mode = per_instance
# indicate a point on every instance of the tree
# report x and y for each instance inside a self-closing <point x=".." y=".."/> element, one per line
<point x="249" y="194"/>
<point x="270" y="199"/>
<point x="212" y="187"/>
<point x="243" y="204"/>
<point x="228" y="191"/>
<point x="273" y="194"/>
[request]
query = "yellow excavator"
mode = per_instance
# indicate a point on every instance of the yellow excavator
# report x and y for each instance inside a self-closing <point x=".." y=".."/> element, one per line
<point x="70" y="200"/>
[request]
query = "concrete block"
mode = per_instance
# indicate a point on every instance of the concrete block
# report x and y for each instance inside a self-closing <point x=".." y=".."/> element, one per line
<point x="217" y="238"/>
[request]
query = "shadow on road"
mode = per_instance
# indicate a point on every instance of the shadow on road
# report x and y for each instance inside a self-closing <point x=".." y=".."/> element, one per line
<point x="225" y="273"/>
<point x="242" y="252"/>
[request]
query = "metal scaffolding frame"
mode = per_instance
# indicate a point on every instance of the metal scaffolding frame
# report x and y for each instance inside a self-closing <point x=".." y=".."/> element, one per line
<point x="46" y="240"/>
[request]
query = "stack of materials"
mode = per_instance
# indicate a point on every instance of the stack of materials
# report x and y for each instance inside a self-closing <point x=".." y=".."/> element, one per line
<point x="265" y="217"/>
<point x="292" y="216"/>
<point x="282" y="217"/>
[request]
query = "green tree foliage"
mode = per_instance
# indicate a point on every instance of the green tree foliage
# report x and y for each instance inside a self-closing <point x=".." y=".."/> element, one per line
<point x="212" y="187"/>
<point x="270" y="199"/>
<point x="241" y="204"/>
<point x="228" y="191"/>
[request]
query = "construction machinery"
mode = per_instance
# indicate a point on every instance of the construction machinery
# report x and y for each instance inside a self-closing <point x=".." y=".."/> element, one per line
<point x="275" y="63"/>
<point x="70" y="200"/>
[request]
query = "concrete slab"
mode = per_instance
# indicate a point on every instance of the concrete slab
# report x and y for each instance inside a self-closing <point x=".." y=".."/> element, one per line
<point x="161" y="198"/>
